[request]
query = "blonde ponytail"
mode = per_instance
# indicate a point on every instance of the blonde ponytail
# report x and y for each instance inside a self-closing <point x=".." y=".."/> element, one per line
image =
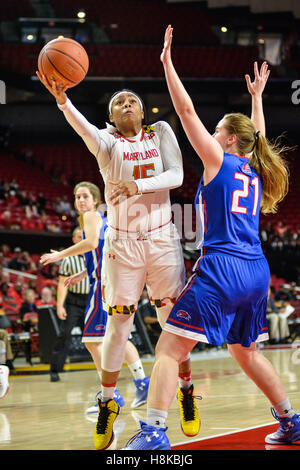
<point x="269" y="163"/>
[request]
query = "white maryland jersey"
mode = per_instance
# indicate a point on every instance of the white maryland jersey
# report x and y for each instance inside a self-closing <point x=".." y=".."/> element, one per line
<point x="140" y="158"/>
<point x="152" y="159"/>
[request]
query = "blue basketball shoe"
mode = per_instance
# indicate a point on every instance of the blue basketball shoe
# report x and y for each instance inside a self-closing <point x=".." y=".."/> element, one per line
<point x="149" y="438"/>
<point x="288" y="432"/>
<point x="117" y="397"/>
<point x="141" y="393"/>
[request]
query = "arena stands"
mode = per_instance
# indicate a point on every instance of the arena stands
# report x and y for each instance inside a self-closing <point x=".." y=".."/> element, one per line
<point x="38" y="174"/>
<point x="23" y="208"/>
<point x="134" y="41"/>
<point x="142" y="60"/>
<point x="122" y="26"/>
<point x="15" y="9"/>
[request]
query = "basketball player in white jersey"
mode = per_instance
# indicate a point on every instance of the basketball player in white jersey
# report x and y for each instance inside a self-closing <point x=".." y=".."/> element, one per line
<point x="139" y="166"/>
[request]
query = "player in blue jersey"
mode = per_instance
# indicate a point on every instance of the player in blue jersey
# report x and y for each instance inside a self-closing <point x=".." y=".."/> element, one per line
<point x="93" y="223"/>
<point x="225" y="299"/>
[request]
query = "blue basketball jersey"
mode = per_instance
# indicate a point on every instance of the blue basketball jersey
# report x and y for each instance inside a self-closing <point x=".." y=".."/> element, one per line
<point x="93" y="258"/>
<point x="228" y="210"/>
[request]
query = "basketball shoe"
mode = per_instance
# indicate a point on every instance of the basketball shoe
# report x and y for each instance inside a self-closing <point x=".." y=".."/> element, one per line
<point x="4" y="385"/>
<point x="149" y="438"/>
<point x="288" y="431"/>
<point x="189" y="416"/>
<point x="104" y="434"/>
<point x="117" y="397"/>
<point x="141" y="393"/>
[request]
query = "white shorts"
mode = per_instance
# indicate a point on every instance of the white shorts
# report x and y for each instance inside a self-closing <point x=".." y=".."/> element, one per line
<point x="130" y="264"/>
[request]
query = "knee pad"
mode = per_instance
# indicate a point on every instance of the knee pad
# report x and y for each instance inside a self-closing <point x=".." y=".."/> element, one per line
<point x="118" y="329"/>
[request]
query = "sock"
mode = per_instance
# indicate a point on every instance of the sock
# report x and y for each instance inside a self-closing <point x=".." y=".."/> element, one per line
<point x="184" y="380"/>
<point x="107" y="391"/>
<point x="284" y="409"/>
<point x="137" y="370"/>
<point x="156" y="418"/>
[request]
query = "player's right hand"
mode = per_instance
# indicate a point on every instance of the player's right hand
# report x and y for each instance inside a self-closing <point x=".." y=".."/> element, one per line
<point x="260" y="79"/>
<point x="59" y="93"/>
<point x="48" y="258"/>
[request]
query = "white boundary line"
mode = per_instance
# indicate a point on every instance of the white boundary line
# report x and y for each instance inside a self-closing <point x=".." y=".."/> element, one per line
<point x="223" y="434"/>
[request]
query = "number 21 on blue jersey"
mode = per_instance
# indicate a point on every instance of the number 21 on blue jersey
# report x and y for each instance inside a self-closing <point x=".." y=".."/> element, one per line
<point x="236" y="206"/>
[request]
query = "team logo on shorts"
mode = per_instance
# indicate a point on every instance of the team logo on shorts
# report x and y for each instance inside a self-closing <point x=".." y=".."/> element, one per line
<point x="100" y="327"/>
<point x="183" y="314"/>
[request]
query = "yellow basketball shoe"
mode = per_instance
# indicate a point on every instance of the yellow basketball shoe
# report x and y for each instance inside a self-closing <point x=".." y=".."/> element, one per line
<point x="189" y="416"/>
<point x="104" y="434"/>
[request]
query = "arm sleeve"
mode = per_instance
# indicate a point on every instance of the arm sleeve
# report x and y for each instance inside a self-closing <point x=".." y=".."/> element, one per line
<point x="90" y="134"/>
<point x="172" y="176"/>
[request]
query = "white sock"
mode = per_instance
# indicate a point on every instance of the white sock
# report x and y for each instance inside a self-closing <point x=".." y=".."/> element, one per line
<point x="184" y="380"/>
<point x="107" y="392"/>
<point x="156" y="418"/>
<point x="284" y="409"/>
<point x="137" y="370"/>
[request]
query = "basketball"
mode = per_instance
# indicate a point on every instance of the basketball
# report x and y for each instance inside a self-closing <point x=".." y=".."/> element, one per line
<point x="63" y="60"/>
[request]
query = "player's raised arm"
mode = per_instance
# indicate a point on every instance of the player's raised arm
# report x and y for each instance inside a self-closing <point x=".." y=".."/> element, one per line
<point x="208" y="149"/>
<point x="256" y="89"/>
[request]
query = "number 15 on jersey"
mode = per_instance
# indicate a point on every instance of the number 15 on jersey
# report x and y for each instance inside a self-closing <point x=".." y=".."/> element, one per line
<point x="141" y="171"/>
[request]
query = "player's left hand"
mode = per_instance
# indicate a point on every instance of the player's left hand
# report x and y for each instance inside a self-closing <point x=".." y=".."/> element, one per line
<point x="48" y="258"/>
<point x="261" y="76"/>
<point x="122" y="188"/>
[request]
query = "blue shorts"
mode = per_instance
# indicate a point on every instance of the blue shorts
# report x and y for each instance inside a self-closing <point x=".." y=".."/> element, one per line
<point x="95" y="317"/>
<point x="224" y="301"/>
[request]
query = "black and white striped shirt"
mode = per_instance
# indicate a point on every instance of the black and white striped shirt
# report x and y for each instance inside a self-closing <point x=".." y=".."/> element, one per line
<point x="73" y="265"/>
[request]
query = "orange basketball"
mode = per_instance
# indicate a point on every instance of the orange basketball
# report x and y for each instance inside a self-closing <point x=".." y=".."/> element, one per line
<point x="63" y="60"/>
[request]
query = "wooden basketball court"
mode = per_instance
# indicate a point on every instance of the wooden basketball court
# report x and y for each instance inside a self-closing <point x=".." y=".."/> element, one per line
<point x="39" y="415"/>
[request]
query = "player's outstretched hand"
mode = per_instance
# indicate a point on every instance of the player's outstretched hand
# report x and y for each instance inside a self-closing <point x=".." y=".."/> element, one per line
<point x="261" y="76"/>
<point x="59" y="93"/>
<point x="71" y="281"/>
<point x="166" y="53"/>
<point x="48" y="258"/>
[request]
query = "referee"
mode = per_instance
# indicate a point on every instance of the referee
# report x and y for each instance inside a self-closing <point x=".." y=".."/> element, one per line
<point x="71" y="303"/>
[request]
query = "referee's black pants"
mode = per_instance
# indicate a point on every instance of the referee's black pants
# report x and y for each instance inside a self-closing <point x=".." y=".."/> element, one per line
<point x="75" y="307"/>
